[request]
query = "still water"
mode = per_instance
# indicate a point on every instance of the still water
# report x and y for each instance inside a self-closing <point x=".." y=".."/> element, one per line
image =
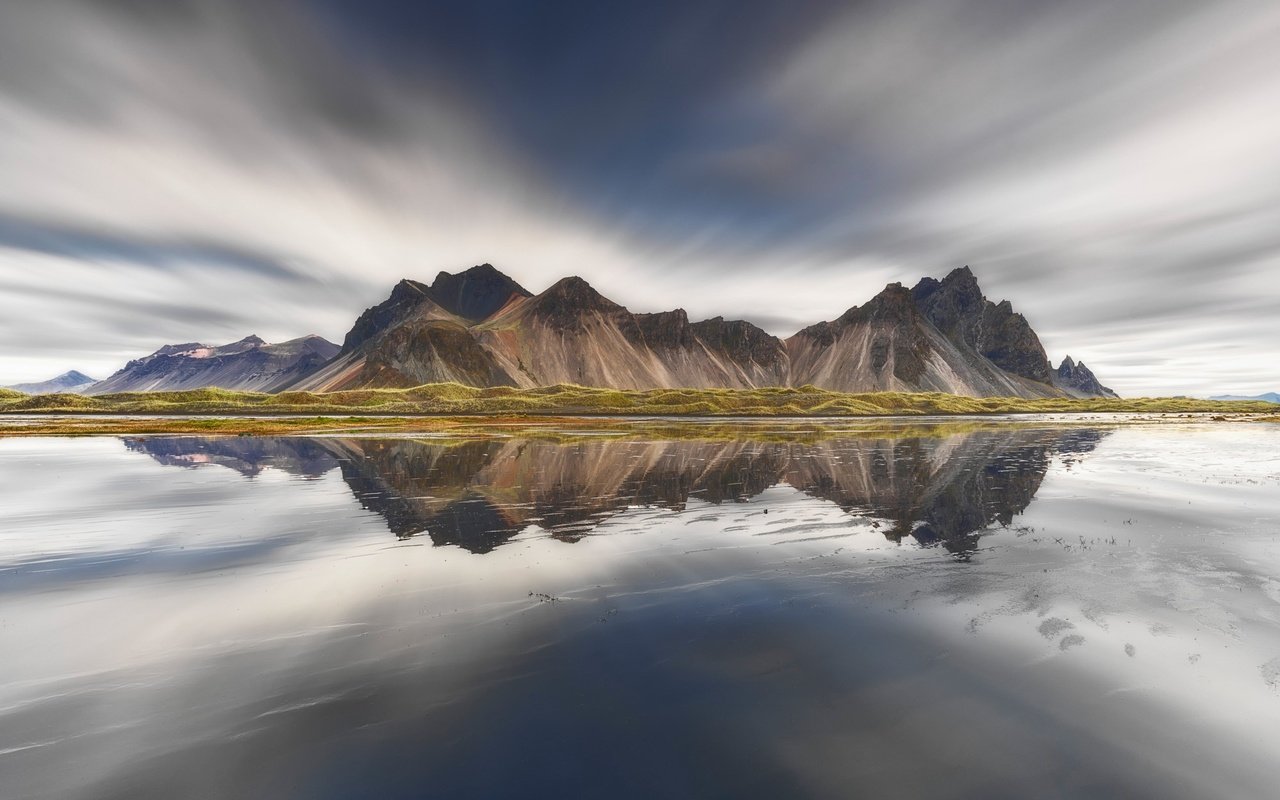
<point x="951" y="611"/>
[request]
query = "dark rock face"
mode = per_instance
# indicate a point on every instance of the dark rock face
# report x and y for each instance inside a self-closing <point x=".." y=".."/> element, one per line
<point x="475" y="294"/>
<point x="956" y="307"/>
<point x="898" y="331"/>
<point x="568" y="301"/>
<point x="740" y="341"/>
<point x="1079" y="380"/>
<point x="406" y="297"/>
<point x="666" y="330"/>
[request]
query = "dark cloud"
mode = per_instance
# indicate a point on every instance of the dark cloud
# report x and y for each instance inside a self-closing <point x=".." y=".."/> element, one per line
<point x="17" y="233"/>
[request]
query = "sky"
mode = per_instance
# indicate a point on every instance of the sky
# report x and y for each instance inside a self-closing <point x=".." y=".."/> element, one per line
<point x="191" y="170"/>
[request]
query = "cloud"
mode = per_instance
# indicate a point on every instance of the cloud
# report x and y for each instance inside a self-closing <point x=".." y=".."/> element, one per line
<point x="1109" y="168"/>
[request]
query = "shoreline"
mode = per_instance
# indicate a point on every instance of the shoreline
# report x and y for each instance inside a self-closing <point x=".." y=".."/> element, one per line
<point x="562" y="424"/>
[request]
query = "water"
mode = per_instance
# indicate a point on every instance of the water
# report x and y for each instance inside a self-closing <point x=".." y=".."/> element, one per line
<point x="958" y="610"/>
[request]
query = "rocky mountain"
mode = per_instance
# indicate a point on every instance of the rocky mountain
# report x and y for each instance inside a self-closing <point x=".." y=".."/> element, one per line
<point x="249" y="364"/>
<point x="569" y="333"/>
<point x="891" y="344"/>
<point x="1269" y="397"/>
<point x="73" y="382"/>
<point x="481" y="328"/>
<point x="1078" y="380"/>
<point x="956" y="307"/>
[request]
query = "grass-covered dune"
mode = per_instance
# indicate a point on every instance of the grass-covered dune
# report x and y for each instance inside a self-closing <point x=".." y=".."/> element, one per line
<point x="563" y="399"/>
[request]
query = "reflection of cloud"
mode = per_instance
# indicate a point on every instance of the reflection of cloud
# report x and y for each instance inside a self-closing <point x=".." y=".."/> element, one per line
<point x="406" y="667"/>
<point x="1107" y="167"/>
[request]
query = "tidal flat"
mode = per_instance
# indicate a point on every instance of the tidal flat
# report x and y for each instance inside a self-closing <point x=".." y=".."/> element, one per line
<point x="1052" y="606"/>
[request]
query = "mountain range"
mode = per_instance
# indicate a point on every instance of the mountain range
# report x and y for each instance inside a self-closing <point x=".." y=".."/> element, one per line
<point x="1269" y="397"/>
<point x="480" y="327"/>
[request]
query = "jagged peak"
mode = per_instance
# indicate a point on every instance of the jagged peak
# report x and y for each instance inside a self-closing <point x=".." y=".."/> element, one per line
<point x="1067" y="365"/>
<point x="575" y="290"/>
<point x="476" y="293"/>
<point x="962" y="281"/>
<point x="485" y="270"/>
<point x="675" y="315"/>
<point x="959" y="282"/>
<point x="252" y="338"/>
<point x="407" y="288"/>
<point x="894" y="301"/>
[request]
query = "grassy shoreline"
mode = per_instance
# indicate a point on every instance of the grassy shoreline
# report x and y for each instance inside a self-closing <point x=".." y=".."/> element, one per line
<point x="576" y="428"/>
<point x="440" y="408"/>
<point x="451" y="399"/>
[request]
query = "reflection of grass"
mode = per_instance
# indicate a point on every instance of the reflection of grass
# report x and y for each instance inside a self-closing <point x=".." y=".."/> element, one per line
<point x="564" y="399"/>
<point x="448" y="429"/>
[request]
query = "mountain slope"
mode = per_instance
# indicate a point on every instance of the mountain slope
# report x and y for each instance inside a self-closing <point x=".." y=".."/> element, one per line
<point x="572" y="334"/>
<point x="248" y="365"/>
<point x="72" y="381"/>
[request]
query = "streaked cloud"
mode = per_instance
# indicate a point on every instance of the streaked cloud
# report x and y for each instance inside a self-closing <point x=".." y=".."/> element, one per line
<point x="211" y="169"/>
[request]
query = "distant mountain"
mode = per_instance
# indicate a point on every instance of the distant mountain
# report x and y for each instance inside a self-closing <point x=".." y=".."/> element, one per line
<point x="1078" y="380"/>
<point x="481" y="328"/>
<point x="249" y="364"/>
<point x="73" y="382"/>
<point x="1269" y="397"/>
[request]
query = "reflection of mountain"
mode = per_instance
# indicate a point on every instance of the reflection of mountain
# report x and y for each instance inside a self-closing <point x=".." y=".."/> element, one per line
<point x="248" y="455"/>
<point x="937" y="490"/>
<point x="479" y="494"/>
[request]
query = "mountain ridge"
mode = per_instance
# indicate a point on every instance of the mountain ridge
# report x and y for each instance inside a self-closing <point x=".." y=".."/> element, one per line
<point x="941" y="335"/>
<point x="481" y="328"/>
<point x="249" y="364"/>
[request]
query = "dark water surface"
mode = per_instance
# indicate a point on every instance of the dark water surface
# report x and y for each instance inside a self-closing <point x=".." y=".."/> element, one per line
<point x="952" y="611"/>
